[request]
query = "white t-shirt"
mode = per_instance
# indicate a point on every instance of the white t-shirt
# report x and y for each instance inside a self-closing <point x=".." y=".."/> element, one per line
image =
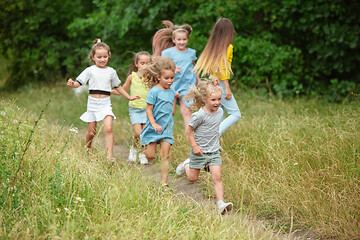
<point x="103" y="79"/>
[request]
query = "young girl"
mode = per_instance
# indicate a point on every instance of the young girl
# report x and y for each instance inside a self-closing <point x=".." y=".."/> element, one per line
<point x="203" y="134"/>
<point x="171" y="41"/>
<point x="159" y="76"/>
<point x="137" y="108"/>
<point x="101" y="79"/>
<point x="216" y="60"/>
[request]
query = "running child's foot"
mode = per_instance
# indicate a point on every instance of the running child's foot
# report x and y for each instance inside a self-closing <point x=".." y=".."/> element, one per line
<point x="132" y="154"/>
<point x="143" y="159"/>
<point x="111" y="159"/>
<point x="224" y="207"/>
<point x="181" y="168"/>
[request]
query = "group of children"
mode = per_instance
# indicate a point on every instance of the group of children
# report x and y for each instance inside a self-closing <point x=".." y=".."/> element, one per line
<point x="157" y="84"/>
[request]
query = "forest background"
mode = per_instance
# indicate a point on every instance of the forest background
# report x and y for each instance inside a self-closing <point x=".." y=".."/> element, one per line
<point x="284" y="48"/>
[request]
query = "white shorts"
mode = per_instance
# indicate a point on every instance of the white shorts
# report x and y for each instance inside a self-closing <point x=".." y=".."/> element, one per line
<point x="97" y="109"/>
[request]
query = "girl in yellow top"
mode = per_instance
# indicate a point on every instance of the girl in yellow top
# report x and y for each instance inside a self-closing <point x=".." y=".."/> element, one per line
<point x="137" y="108"/>
<point x="216" y="60"/>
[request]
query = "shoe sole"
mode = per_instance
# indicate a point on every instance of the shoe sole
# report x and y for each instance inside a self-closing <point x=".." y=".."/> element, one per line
<point x="227" y="209"/>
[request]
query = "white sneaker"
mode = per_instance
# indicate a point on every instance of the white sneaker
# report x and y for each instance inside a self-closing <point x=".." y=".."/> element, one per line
<point x="132" y="154"/>
<point x="181" y="168"/>
<point x="225" y="207"/>
<point x="143" y="159"/>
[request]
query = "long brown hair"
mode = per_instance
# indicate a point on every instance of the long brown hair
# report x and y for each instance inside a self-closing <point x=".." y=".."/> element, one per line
<point x="214" y="57"/>
<point x="163" y="38"/>
<point x="136" y="57"/>
<point x="97" y="43"/>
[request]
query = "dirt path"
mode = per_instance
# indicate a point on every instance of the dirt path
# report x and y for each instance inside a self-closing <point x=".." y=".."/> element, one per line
<point x="182" y="187"/>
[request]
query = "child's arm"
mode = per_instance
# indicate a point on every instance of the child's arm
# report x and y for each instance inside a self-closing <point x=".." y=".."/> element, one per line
<point x="190" y="134"/>
<point x="71" y="83"/>
<point x="227" y="89"/>
<point x="121" y="91"/>
<point x="151" y="118"/>
<point x="126" y="86"/>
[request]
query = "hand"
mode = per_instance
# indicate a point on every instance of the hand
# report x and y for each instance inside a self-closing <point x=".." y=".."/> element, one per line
<point x="157" y="127"/>
<point x="70" y="83"/>
<point x="177" y="69"/>
<point x="177" y="95"/>
<point x="134" y="97"/>
<point x="197" y="150"/>
<point x="228" y="94"/>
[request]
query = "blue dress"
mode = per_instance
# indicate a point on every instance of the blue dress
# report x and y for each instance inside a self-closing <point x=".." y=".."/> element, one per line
<point x="186" y="77"/>
<point x="162" y="111"/>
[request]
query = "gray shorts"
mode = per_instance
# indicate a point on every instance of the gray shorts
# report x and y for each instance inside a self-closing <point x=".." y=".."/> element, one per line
<point x="204" y="160"/>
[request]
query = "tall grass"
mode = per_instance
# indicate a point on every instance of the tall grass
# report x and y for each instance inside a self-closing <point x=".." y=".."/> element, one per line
<point x="63" y="192"/>
<point x="294" y="164"/>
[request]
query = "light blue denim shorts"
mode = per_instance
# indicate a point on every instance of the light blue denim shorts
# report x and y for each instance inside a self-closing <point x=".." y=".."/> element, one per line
<point x="137" y="115"/>
<point x="204" y="160"/>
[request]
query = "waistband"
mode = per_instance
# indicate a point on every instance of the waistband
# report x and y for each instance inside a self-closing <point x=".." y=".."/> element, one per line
<point x="99" y="92"/>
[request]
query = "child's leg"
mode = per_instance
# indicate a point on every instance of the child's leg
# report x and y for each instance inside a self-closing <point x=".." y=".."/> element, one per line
<point x="186" y="113"/>
<point x="109" y="134"/>
<point x="218" y="185"/>
<point x="137" y="131"/>
<point x="150" y="150"/>
<point x="232" y="109"/>
<point x="165" y="161"/>
<point x="90" y="134"/>
<point x="192" y="173"/>
<point x="174" y="106"/>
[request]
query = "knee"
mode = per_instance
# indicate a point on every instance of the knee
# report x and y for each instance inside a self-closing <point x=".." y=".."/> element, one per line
<point x="108" y="129"/>
<point x="149" y="155"/>
<point x="192" y="178"/>
<point x="237" y="115"/>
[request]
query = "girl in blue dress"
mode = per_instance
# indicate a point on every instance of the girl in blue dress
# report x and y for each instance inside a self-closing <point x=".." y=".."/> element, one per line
<point x="159" y="76"/>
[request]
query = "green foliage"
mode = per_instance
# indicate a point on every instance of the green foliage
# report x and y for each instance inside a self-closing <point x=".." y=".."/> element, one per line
<point x="306" y="43"/>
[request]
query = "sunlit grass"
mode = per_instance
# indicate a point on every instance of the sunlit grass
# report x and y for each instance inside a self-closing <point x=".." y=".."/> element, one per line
<point x="293" y="164"/>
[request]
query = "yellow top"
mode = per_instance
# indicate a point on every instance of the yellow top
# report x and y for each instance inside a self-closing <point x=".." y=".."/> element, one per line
<point x="138" y="88"/>
<point x="226" y="74"/>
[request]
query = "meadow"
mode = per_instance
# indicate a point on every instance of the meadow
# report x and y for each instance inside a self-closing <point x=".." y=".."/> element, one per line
<point x="293" y="164"/>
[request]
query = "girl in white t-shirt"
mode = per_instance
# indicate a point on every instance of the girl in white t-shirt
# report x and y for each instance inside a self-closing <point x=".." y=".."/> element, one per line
<point x="101" y="80"/>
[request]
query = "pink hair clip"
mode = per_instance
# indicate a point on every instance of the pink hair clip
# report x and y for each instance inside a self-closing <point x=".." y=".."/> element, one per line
<point x="215" y="83"/>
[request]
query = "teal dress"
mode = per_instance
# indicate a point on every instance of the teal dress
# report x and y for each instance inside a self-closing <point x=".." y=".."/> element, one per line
<point x="162" y="100"/>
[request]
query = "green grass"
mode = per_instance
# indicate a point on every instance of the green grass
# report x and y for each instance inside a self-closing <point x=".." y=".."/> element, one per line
<point x="293" y="164"/>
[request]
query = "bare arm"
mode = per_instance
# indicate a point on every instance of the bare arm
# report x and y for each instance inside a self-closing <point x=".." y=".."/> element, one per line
<point x="73" y="84"/>
<point x="227" y="89"/>
<point x="190" y="134"/>
<point x="150" y="116"/>
<point x="121" y="91"/>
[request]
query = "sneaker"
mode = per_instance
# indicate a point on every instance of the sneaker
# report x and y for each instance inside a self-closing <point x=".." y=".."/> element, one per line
<point x="132" y="154"/>
<point x="143" y="159"/>
<point x="181" y="168"/>
<point x="225" y="207"/>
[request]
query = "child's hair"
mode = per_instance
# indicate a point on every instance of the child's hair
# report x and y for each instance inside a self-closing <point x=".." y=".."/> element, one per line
<point x="202" y="90"/>
<point x="150" y="73"/>
<point x="163" y="37"/>
<point x="214" y="57"/>
<point x="97" y="44"/>
<point x="136" y="57"/>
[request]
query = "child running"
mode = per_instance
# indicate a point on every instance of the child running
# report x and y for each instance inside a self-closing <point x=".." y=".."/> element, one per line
<point x="203" y="134"/>
<point x="137" y="108"/>
<point x="216" y="60"/>
<point x="171" y="42"/>
<point x="101" y="79"/>
<point x="159" y="76"/>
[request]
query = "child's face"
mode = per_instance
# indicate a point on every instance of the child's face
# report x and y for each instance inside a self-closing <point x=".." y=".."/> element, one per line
<point x="213" y="101"/>
<point x="142" y="61"/>
<point x="166" y="78"/>
<point x="101" y="57"/>
<point x="180" y="40"/>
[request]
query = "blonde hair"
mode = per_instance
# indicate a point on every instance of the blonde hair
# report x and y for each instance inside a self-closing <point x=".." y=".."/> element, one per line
<point x="202" y="90"/>
<point x="214" y="57"/>
<point x="136" y="57"/>
<point x="97" y="44"/>
<point x="163" y="38"/>
<point x="150" y="73"/>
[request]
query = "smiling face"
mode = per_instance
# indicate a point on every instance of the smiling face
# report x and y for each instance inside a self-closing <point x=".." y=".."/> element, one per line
<point x="180" y="39"/>
<point x="142" y="61"/>
<point x="166" y="78"/>
<point x="101" y="57"/>
<point x="212" y="101"/>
